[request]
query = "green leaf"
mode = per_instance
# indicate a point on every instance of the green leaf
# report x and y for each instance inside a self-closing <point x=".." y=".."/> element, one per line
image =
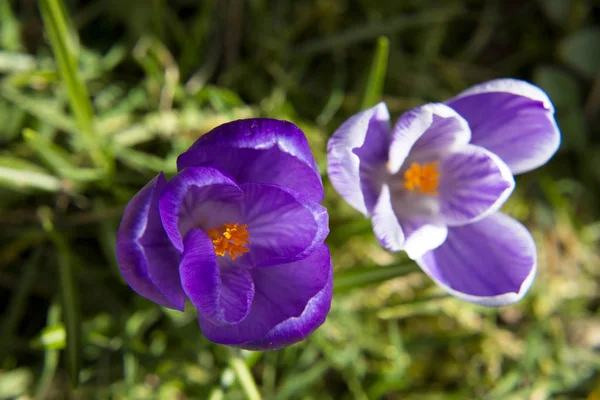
<point x="245" y="378"/>
<point x="301" y="382"/>
<point x="51" y="354"/>
<point x="62" y="38"/>
<point x="59" y="160"/>
<point x="15" y="383"/>
<point x="222" y="99"/>
<point x="357" y="34"/>
<point x="10" y="28"/>
<point x="143" y="161"/>
<point x="366" y="276"/>
<point x="376" y="79"/>
<point x="580" y="51"/>
<point x="21" y="175"/>
<point x="70" y="305"/>
<point x="53" y="337"/>
<point x="427" y="306"/>
<point x="16" y="62"/>
<point x="18" y="302"/>
<point x="11" y="120"/>
<point x="216" y="394"/>
<point x="47" y="111"/>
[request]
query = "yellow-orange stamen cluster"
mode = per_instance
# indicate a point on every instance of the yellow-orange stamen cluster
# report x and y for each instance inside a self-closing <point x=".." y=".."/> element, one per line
<point x="230" y="238"/>
<point x="424" y="178"/>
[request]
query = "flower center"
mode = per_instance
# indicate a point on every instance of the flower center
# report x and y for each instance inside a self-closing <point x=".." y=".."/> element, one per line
<point x="230" y="238"/>
<point x="424" y="178"/>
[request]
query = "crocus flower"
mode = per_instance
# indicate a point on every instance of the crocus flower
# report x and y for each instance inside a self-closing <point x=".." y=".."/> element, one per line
<point x="239" y="232"/>
<point x="433" y="184"/>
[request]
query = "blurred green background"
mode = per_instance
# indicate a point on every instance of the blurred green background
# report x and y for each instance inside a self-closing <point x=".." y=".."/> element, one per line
<point x="97" y="96"/>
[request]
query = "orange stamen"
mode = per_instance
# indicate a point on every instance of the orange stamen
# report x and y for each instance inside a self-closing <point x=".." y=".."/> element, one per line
<point x="230" y="238"/>
<point x="424" y="178"/>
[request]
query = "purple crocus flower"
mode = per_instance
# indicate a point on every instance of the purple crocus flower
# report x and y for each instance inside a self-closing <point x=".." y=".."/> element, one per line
<point x="433" y="184"/>
<point x="239" y="232"/>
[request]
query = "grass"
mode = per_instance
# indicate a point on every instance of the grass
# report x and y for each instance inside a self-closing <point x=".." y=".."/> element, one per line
<point x="97" y="96"/>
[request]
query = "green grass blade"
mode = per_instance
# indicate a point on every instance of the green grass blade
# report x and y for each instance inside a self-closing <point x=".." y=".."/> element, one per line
<point x="360" y="33"/>
<point x="16" y="308"/>
<point x="144" y="161"/>
<point x="61" y="36"/>
<point x="216" y="394"/>
<point x="47" y="111"/>
<point x="21" y="175"/>
<point x="70" y="301"/>
<point x="376" y="79"/>
<point x="366" y="276"/>
<point x="71" y="308"/>
<point x="61" y="39"/>
<point x="59" y="160"/>
<point x="51" y="355"/>
<point x="300" y="382"/>
<point x="10" y="28"/>
<point x="12" y="62"/>
<point x="245" y="379"/>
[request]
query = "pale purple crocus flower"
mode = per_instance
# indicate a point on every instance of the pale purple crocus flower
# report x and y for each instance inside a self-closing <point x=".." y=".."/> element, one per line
<point x="238" y="231"/>
<point x="433" y="184"/>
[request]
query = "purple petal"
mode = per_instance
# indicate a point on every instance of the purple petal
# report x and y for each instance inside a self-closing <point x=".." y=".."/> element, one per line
<point x="356" y="157"/>
<point x="491" y="262"/>
<point x="422" y="236"/>
<point x="386" y="227"/>
<point x="512" y="119"/>
<point x="295" y="329"/>
<point x="222" y="297"/>
<point x="284" y="225"/>
<point x="146" y="257"/>
<point x="281" y="292"/>
<point x="474" y="183"/>
<point x="429" y="129"/>
<point x="401" y="228"/>
<point x="197" y="197"/>
<point x="259" y="151"/>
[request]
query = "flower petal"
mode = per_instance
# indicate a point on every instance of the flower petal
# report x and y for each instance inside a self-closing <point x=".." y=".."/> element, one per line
<point x="397" y="226"/>
<point x="295" y="329"/>
<point x="284" y="225"/>
<point x="197" y="196"/>
<point x="146" y="257"/>
<point x="474" y="183"/>
<point x="431" y="128"/>
<point x="491" y="262"/>
<point x="386" y="227"/>
<point x="422" y="236"/>
<point x="513" y="119"/>
<point x="281" y="292"/>
<point x="222" y="297"/>
<point x="259" y="151"/>
<point x="356" y="157"/>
